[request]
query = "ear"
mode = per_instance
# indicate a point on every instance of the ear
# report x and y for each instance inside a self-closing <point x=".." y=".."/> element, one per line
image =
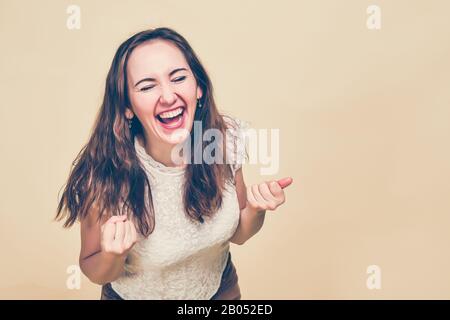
<point x="128" y="113"/>
<point x="199" y="92"/>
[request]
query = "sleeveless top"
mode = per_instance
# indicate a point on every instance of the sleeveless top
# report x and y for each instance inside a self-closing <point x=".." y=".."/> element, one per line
<point x="181" y="258"/>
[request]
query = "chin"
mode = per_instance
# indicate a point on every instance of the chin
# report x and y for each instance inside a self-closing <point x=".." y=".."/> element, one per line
<point x="177" y="136"/>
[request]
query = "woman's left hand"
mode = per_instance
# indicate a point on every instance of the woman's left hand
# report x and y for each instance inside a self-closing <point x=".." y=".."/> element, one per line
<point x="268" y="195"/>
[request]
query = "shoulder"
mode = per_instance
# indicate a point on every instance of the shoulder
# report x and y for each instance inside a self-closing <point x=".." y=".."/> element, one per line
<point x="236" y="142"/>
<point x="236" y="129"/>
<point x="235" y="123"/>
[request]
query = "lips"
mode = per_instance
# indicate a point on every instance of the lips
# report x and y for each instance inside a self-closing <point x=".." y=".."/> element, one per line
<point x="173" y="118"/>
<point x="170" y="116"/>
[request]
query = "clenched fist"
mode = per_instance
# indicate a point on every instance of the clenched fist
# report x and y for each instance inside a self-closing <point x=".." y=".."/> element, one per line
<point x="267" y="195"/>
<point x="118" y="235"/>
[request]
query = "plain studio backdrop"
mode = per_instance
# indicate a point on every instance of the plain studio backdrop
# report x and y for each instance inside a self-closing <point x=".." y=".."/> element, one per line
<point x="364" y="131"/>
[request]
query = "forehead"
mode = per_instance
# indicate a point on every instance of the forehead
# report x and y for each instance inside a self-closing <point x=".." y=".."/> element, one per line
<point x="155" y="57"/>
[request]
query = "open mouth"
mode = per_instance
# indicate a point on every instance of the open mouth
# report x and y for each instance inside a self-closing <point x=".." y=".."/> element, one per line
<point x="171" y="118"/>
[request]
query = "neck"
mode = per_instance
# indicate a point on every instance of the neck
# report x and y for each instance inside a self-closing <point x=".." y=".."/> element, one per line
<point x="161" y="153"/>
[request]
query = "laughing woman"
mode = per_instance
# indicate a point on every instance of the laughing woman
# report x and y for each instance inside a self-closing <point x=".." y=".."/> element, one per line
<point x="152" y="227"/>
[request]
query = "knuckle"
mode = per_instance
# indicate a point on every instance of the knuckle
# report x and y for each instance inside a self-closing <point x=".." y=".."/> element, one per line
<point x="253" y="203"/>
<point x="272" y="206"/>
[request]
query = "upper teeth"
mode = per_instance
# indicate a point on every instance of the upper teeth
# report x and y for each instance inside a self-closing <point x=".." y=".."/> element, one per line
<point x="171" y="114"/>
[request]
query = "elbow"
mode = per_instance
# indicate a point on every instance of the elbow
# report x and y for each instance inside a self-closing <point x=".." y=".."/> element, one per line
<point x="100" y="283"/>
<point x="91" y="275"/>
<point x="96" y="280"/>
<point x="239" y="242"/>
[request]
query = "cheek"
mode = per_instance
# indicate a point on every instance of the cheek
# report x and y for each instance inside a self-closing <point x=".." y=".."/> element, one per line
<point x="143" y="104"/>
<point x="189" y="92"/>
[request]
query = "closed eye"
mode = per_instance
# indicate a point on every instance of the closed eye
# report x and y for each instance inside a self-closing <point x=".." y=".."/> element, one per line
<point x="146" y="88"/>
<point x="179" y="79"/>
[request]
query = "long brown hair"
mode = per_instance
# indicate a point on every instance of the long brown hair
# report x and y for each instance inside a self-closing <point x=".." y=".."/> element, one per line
<point x="107" y="174"/>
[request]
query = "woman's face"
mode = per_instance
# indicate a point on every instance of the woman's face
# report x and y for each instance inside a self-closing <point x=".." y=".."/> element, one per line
<point x="163" y="91"/>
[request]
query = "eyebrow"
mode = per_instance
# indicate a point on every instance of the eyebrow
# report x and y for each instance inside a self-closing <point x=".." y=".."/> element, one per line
<point x="153" y="79"/>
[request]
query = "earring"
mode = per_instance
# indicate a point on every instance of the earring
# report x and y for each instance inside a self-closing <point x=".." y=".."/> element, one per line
<point x="199" y="104"/>
<point x="130" y="123"/>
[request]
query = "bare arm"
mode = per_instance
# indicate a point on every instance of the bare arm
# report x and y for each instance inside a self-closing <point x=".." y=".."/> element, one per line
<point x="104" y="247"/>
<point x="253" y="202"/>
<point x="250" y="220"/>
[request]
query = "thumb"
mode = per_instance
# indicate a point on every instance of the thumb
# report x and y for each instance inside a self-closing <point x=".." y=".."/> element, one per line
<point x="285" y="182"/>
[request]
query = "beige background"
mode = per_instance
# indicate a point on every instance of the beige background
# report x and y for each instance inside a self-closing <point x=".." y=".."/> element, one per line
<point x="364" y="127"/>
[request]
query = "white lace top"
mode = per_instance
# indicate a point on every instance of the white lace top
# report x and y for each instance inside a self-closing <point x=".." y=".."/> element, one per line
<point x="181" y="259"/>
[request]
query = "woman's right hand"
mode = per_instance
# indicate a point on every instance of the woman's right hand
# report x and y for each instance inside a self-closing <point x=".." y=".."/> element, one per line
<point x="118" y="235"/>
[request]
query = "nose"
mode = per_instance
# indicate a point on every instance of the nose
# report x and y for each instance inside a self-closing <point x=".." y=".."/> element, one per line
<point x="168" y="96"/>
